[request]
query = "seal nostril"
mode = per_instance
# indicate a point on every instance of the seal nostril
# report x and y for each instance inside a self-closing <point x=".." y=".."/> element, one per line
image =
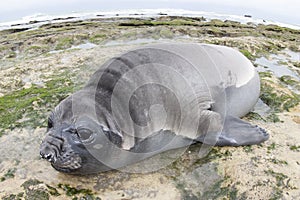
<point x="47" y="152"/>
<point x="48" y="156"/>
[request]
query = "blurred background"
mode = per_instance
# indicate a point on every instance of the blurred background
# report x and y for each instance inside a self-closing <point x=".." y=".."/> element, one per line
<point x="285" y="11"/>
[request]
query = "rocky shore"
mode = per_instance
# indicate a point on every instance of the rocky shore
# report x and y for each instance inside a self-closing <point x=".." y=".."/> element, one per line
<point x="40" y="67"/>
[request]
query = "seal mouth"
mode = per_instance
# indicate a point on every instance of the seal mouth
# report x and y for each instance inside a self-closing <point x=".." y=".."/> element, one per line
<point x="67" y="164"/>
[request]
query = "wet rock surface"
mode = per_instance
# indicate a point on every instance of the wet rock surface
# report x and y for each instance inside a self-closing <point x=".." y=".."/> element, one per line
<point x="40" y="67"/>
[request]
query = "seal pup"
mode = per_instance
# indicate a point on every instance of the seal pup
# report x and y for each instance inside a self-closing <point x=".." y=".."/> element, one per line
<point x="150" y="100"/>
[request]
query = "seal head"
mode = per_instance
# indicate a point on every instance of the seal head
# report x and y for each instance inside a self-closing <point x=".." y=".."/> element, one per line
<point x="69" y="144"/>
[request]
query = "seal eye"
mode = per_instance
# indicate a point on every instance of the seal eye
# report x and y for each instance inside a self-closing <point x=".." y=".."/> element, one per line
<point x="85" y="135"/>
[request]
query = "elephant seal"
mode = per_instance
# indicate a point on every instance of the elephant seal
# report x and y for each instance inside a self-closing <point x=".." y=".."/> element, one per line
<point x="151" y="100"/>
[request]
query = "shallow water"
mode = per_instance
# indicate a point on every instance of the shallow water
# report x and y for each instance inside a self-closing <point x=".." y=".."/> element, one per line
<point x="273" y="64"/>
<point x="279" y="70"/>
<point x="86" y="45"/>
<point x="293" y="56"/>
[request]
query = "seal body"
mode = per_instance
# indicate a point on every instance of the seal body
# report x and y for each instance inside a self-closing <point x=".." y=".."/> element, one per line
<point x="153" y="99"/>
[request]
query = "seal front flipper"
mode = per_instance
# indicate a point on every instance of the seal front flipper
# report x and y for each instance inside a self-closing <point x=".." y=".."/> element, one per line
<point x="235" y="132"/>
<point x="161" y="141"/>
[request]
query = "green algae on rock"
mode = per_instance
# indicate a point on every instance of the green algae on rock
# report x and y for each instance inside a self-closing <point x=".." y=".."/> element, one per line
<point x="247" y="54"/>
<point x="37" y="190"/>
<point x="71" y="191"/>
<point x="46" y="37"/>
<point x="34" y="191"/>
<point x="9" y="174"/>
<point x="278" y="100"/>
<point x="14" y="196"/>
<point x="219" y="191"/>
<point x="288" y="80"/>
<point x="29" y="106"/>
<point x="295" y="148"/>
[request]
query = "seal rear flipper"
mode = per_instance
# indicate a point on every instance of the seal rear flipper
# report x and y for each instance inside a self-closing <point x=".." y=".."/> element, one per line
<point x="161" y="141"/>
<point x="236" y="132"/>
